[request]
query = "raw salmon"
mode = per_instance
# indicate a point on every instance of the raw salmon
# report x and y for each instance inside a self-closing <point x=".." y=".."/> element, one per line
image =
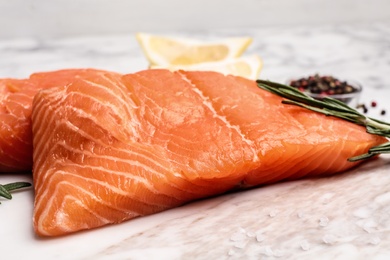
<point x="109" y="148"/>
<point x="16" y="96"/>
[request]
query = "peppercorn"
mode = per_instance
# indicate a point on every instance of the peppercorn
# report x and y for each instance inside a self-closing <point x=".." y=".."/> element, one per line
<point x="365" y="110"/>
<point x="323" y="85"/>
<point x="383" y="112"/>
<point x="373" y="104"/>
<point x="348" y="89"/>
<point x="363" y="107"/>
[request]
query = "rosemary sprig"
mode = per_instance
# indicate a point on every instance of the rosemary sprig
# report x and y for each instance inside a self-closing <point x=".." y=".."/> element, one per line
<point x="332" y="107"/>
<point x="5" y="190"/>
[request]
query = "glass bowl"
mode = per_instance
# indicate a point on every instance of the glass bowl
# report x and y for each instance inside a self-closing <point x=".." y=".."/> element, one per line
<point x="350" y="98"/>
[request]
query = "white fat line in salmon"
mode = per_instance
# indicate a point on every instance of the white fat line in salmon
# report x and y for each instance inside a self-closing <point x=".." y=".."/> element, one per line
<point x="209" y="105"/>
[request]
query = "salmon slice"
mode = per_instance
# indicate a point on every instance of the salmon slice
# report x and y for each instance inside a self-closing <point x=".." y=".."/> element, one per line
<point x="111" y="148"/>
<point x="16" y="96"/>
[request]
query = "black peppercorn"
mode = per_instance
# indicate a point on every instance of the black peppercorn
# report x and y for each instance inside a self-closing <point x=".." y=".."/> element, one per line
<point x="325" y="85"/>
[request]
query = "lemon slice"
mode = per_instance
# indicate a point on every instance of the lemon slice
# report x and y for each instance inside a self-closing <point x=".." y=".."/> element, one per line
<point x="245" y="66"/>
<point x="165" y="50"/>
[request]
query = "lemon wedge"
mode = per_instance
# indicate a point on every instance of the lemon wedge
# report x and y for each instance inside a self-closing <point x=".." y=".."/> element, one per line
<point x="165" y="50"/>
<point x="244" y="66"/>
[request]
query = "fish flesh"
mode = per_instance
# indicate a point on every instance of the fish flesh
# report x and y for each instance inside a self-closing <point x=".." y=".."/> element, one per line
<point x="110" y="148"/>
<point x="15" y="128"/>
<point x="16" y="96"/>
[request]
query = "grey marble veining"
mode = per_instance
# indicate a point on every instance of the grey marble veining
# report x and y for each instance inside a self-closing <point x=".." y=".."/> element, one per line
<point x="341" y="217"/>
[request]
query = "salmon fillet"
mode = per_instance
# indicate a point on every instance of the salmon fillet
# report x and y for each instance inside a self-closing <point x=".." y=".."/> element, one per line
<point x="16" y="96"/>
<point x="109" y="148"/>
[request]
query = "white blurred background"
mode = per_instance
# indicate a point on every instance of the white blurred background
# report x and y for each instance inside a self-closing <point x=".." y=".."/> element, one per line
<point x="62" y="18"/>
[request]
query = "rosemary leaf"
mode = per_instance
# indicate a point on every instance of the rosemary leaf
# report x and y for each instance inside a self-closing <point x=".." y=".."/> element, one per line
<point x="383" y="148"/>
<point x="361" y="157"/>
<point x="5" y="193"/>
<point x="6" y="188"/>
<point x="16" y="185"/>
<point x="375" y="131"/>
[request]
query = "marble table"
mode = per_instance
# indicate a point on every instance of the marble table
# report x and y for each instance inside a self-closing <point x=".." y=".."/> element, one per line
<point x="346" y="216"/>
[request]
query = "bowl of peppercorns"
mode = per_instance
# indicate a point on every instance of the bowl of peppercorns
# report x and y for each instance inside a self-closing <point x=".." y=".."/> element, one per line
<point x="319" y="87"/>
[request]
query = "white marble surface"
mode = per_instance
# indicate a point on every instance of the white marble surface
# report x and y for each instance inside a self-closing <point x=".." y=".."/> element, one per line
<point x="342" y="217"/>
